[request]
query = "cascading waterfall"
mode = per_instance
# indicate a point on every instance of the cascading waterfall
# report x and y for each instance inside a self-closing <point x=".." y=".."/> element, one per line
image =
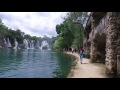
<point x="38" y="44"/>
<point x="28" y="44"/>
<point x="5" y="42"/>
<point x="45" y="44"/>
<point x="16" y="45"/>
<point x="8" y="43"/>
<point x="32" y="44"/>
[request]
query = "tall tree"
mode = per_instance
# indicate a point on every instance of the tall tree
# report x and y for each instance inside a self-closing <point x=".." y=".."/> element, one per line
<point x="72" y="28"/>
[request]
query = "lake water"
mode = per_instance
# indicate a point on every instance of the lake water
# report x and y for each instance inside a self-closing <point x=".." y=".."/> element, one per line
<point x="34" y="63"/>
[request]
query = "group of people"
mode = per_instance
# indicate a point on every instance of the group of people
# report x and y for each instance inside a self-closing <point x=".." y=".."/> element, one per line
<point x="82" y="54"/>
<point x="74" y="50"/>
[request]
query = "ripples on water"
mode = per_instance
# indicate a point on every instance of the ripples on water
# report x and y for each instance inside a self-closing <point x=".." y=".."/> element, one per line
<point x="33" y="63"/>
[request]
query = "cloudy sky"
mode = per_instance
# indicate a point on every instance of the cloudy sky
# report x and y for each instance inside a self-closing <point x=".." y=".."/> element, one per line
<point x="33" y="23"/>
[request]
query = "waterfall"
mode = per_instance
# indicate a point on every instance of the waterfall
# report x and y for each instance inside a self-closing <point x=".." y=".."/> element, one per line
<point x="32" y="45"/>
<point x="29" y="44"/>
<point x="38" y="44"/>
<point x="26" y="44"/>
<point x="44" y="44"/>
<point x="5" y="42"/>
<point x="16" y="45"/>
<point x="8" y="43"/>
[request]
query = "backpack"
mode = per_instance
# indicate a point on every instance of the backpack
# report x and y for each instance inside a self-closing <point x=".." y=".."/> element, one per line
<point x="83" y="54"/>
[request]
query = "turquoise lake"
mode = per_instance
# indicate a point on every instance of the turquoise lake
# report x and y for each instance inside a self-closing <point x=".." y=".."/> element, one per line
<point x="34" y="63"/>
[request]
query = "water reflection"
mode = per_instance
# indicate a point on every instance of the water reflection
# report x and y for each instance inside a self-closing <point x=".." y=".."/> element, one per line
<point x="9" y="61"/>
<point x="65" y="63"/>
<point x="33" y="63"/>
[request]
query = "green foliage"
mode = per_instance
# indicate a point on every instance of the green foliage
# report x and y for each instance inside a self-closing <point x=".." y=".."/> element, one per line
<point x="60" y="42"/>
<point x="5" y="32"/>
<point x="58" y="29"/>
<point x="71" y="30"/>
<point x="34" y="38"/>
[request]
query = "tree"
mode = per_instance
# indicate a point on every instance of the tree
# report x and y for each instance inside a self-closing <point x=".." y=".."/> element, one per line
<point x="72" y="29"/>
<point x="76" y="23"/>
<point x="6" y="32"/>
<point x="58" y="29"/>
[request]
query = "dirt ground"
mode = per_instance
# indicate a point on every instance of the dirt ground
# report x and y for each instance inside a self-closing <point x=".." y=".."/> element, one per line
<point x="87" y="69"/>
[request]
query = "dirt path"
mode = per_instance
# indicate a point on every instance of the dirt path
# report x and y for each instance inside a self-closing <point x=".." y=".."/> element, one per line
<point x="87" y="69"/>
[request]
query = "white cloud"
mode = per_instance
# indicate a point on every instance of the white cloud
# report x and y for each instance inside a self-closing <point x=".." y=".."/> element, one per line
<point x="33" y="23"/>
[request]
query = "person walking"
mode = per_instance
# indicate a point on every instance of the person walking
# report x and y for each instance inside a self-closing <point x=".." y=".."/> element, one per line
<point x="82" y="55"/>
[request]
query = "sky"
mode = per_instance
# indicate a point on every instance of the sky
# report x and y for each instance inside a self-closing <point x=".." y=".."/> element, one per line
<point x="33" y="23"/>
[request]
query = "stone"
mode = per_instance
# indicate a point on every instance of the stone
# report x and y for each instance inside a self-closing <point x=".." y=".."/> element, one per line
<point x="112" y="49"/>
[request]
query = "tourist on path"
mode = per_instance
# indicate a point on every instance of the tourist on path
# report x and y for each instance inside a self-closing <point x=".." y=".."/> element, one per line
<point x="82" y="55"/>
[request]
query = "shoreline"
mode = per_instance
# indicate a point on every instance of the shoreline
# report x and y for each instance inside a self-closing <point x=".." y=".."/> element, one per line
<point x="87" y="69"/>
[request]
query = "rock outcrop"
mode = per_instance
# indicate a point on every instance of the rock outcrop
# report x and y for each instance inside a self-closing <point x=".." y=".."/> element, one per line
<point x="105" y="40"/>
